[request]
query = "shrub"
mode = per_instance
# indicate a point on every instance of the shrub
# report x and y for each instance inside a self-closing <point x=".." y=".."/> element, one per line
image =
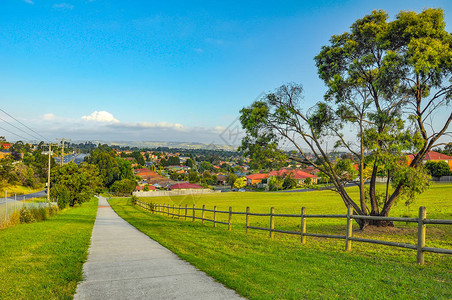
<point x="26" y="216"/>
<point x="123" y="187"/>
<point x="39" y="213"/>
<point x="36" y="214"/>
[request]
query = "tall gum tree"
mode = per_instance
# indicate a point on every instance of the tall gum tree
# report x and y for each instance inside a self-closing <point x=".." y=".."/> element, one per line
<point x="386" y="79"/>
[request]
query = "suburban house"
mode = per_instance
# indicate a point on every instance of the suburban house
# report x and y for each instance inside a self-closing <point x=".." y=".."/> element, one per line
<point x="311" y="170"/>
<point x="255" y="178"/>
<point x="5" y="146"/>
<point x="299" y="175"/>
<point x="221" y="179"/>
<point x="140" y="188"/>
<point x="434" y="156"/>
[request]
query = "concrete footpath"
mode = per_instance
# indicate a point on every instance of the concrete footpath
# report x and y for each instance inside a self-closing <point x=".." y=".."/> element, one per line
<point x="124" y="263"/>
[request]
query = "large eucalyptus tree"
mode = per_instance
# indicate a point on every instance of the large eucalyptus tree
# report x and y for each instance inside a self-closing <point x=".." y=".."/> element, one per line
<point x="386" y="79"/>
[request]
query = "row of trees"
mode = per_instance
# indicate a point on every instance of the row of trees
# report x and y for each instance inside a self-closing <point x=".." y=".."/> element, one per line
<point x="385" y="79"/>
<point x="31" y="171"/>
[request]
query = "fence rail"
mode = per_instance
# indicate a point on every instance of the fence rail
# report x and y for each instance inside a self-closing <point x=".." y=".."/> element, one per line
<point x="422" y="221"/>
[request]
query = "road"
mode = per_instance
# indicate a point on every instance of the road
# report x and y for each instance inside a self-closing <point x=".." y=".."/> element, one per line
<point x="22" y="197"/>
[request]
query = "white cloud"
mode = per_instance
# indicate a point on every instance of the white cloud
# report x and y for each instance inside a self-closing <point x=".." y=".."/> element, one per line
<point x="149" y="125"/>
<point x="29" y="1"/>
<point x="63" y="6"/>
<point x="48" y="117"/>
<point x="101" y="117"/>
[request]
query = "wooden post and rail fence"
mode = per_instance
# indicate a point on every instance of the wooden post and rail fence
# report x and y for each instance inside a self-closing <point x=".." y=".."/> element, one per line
<point x="348" y="237"/>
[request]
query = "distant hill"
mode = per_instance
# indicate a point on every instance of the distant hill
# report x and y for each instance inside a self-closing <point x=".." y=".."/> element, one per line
<point x="181" y="145"/>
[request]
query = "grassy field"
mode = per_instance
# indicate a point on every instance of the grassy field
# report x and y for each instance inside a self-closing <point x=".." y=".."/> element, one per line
<point x="44" y="260"/>
<point x="260" y="268"/>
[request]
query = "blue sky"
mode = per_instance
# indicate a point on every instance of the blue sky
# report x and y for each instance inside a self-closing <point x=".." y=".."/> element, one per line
<point x="162" y="70"/>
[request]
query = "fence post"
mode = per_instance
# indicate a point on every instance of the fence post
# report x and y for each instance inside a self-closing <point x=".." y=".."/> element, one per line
<point x="421" y="235"/>
<point x="229" y="219"/>
<point x="215" y="216"/>
<point x="202" y="216"/>
<point x="348" y="233"/>
<point x="178" y="214"/>
<point x="193" y="213"/>
<point x="247" y="219"/>
<point x="303" y="225"/>
<point x="6" y="206"/>
<point x="173" y="212"/>
<point x="272" y="223"/>
<point x="185" y="211"/>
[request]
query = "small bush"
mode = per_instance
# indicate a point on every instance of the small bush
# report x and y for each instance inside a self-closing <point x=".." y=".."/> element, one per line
<point x="36" y="214"/>
<point x="26" y="216"/>
<point x="39" y="213"/>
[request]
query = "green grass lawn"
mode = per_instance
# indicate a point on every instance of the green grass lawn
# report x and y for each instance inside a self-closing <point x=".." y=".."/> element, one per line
<point x="44" y="260"/>
<point x="260" y="268"/>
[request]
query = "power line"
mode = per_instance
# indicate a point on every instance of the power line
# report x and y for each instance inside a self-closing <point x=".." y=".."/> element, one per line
<point x="19" y="129"/>
<point x="24" y="125"/>
<point x="13" y="133"/>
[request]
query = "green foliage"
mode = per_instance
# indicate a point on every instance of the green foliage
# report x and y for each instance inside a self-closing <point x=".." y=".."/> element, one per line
<point x="26" y="216"/>
<point x="275" y="183"/>
<point x="205" y="166"/>
<point x="107" y="165"/>
<point x="379" y="76"/>
<point x="62" y="195"/>
<point x="138" y="157"/>
<point x="345" y="170"/>
<point x="125" y="169"/>
<point x="193" y="176"/>
<point x="231" y="178"/>
<point x="133" y="200"/>
<point x="438" y="169"/>
<point x="81" y="182"/>
<point x="240" y="183"/>
<point x="260" y="143"/>
<point x="289" y="182"/>
<point x="414" y="181"/>
<point x="123" y="187"/>
<point x="190" y="163"/>
<point x="112" y="168"/>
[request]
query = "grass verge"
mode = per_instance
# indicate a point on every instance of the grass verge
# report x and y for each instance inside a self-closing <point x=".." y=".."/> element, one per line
<point x="44" y="260"/>
<point x="259" y="268"/>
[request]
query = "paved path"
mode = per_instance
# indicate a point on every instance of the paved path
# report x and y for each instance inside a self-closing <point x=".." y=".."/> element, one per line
<point x="124" y="263"/>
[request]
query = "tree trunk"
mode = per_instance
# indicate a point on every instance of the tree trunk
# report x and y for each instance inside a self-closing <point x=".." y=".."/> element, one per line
<point x="372" y="192"/>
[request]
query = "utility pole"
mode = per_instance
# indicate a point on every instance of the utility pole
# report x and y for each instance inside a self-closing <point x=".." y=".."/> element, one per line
<point x="62" y="150"/>
<point x="48" y="175"/>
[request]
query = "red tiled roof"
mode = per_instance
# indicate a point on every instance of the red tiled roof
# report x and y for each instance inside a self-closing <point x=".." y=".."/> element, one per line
<point x="432" y="155"/>
<point x="146" y="173"/>
<point x="184" y="185"/>
<point x="296" y="174"/>
<point x="259" y="176"/>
